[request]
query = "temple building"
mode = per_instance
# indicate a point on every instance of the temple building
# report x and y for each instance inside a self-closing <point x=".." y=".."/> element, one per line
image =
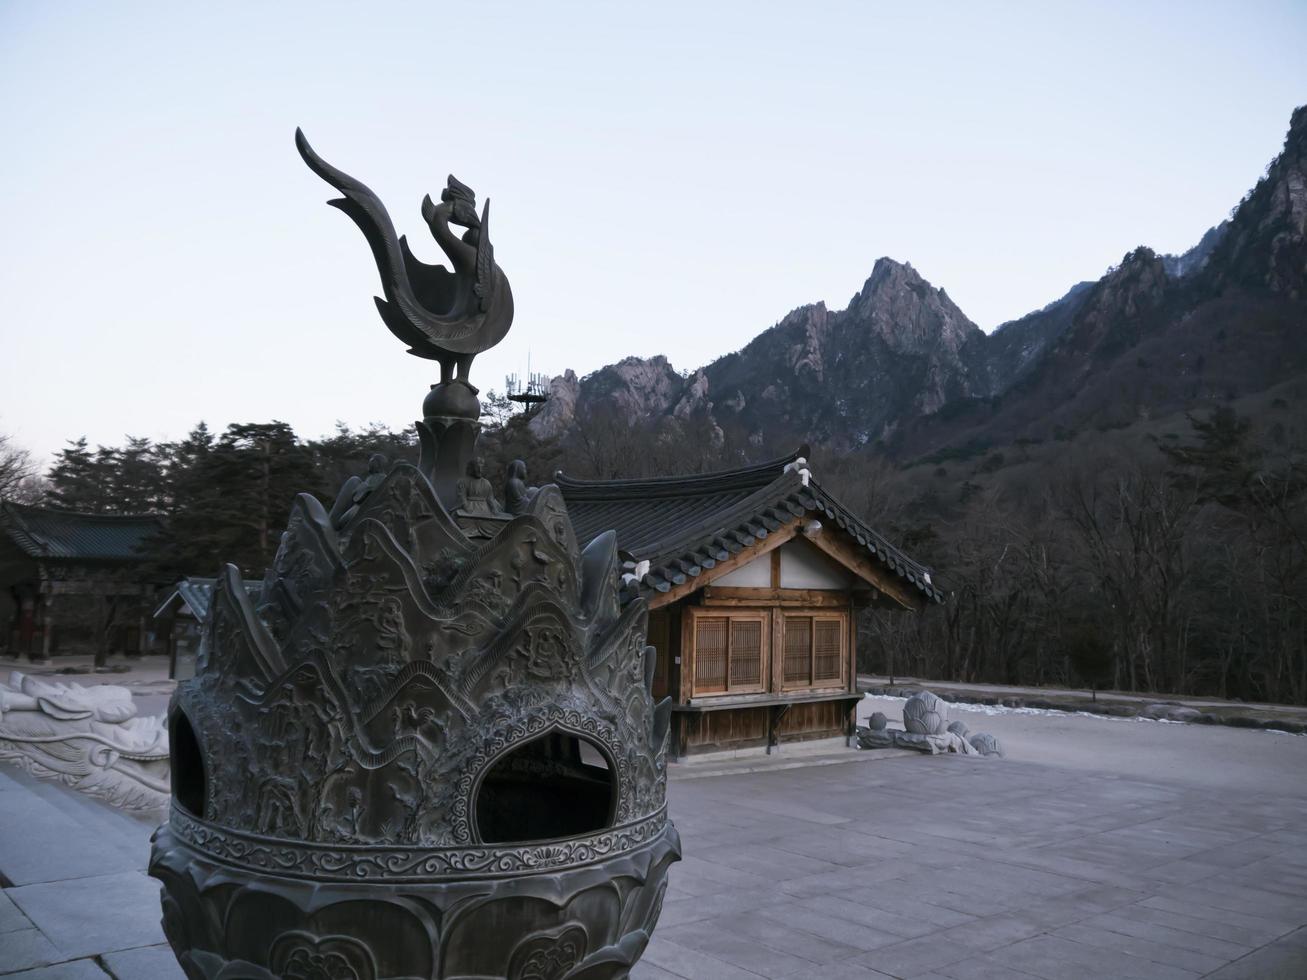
<point x="753" y="578"/>
<point x="181" y="617"/>
<point x="73" y="583"/>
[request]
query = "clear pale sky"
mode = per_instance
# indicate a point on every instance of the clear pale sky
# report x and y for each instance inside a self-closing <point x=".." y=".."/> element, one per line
<point x="667" y="178"/>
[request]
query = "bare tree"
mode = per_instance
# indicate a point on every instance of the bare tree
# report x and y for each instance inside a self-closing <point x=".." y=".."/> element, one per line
<point x="18" y="476"/>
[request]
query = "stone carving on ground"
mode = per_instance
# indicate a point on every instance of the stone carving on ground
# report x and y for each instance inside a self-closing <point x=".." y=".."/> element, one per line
<point x="925" y="714"/>
<point x="87" y="737"/>
<point x="985" y="744"/>
<point x="926" y="728"/>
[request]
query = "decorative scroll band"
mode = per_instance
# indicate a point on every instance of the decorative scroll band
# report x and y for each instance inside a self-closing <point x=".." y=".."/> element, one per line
<point x="322" y="862"/>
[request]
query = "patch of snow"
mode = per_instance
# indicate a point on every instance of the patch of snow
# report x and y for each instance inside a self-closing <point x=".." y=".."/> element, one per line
<point x="998" y="709"/>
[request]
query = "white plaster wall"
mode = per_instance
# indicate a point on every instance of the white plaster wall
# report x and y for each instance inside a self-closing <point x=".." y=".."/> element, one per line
<point x="803" y="566"/>
<point x="755" y="575"/>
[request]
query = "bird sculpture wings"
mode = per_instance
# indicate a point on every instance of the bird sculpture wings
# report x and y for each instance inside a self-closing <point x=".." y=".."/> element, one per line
<point x="447" y="315"/>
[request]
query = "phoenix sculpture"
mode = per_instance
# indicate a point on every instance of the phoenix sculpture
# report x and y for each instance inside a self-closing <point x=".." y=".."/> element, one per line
<point x="445" y="315"/>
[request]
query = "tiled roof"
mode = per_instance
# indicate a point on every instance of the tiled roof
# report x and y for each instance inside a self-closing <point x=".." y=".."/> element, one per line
<point x="197" y="593"/>
<point x="684" y="525"/>
<point x="61" y="534"/>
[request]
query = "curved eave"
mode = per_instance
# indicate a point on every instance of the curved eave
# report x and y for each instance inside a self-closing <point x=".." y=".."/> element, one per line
<point x="722" y="536"/>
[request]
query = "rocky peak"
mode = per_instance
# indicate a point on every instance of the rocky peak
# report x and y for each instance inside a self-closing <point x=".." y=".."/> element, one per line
<point x="636" y="387"/>
<point x="1290" y="171"/>
<point x="1134" y="285"/>
<point x="810" y="328"/>
<point x="557" y="413"/>
<point x="694" y="397"/>
<point x="1186" y="264"/>
<point x="1113" y="311"/>
<point x="640" y="386"/>
<point x="908" y="313"/>
<point x="1266" y="247"/>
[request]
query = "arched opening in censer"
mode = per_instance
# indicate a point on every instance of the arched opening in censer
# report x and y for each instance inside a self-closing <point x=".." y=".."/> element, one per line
<point x="190" y="785"/>
<point x="556" y="785"/>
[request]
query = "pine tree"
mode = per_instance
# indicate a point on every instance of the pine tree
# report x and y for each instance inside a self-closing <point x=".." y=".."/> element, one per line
<point x="78" y="479"/>
<point x="346" y="453"/>
<point x="187" y="544"/>
<point x="136" y="477"/>
<point x="254" y="472"/>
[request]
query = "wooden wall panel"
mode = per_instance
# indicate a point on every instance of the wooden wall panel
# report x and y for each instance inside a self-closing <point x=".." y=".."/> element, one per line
<point x="824" y="719"/>
<point x="724" y="729"/>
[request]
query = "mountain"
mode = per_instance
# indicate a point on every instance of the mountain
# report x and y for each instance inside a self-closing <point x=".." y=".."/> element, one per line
<point x="1178" y="266"/>
<point x="901" y="367"/>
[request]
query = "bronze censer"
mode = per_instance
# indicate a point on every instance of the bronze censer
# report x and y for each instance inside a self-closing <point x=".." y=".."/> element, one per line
<point x="427" y="748"/>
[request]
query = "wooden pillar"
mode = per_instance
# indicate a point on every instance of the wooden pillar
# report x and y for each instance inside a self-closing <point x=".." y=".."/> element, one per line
<point x="47" y="625"/>
<point x="26" y="625"/>
<point x="777" y="615"/>
<point x="851" y="717"/>
<point x="685" y="682"/>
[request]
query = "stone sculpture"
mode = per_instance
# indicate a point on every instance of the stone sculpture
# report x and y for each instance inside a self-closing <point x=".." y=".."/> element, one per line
<point x="428" y="748"/>
<point x="926" y="728"/>
<point x="476" y="497"/>
<point x="517" y="495"/>
<point x="925" y="714"/>
<point x="985" y="744"/>
<point x="87" y="737"/>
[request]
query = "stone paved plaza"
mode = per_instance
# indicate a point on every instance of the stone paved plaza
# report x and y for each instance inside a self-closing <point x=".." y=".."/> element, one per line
<point x="1046" y="864"/>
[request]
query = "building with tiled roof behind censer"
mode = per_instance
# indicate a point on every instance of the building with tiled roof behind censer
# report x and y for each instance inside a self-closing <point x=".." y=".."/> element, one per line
<point x="73" y="582"/>
<point x="753" y="577"/>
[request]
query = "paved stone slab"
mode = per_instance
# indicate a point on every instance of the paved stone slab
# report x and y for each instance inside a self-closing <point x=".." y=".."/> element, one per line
<point x="644" y="970"/>
<point x="1252" y="930"/>
<point x="1278" y="961"/>
<point x="84" y="916"/>
<point x="920" y="868"/>
<point x="75" y="970"/>
<point x="806" y="945"/>
<point x="847" y="907"/>
<point x="149" y="963"/>
<point x="11" y="918"/>
<point x="26" y="948"/>
<point x="913" y="957"/>
<point x="682" y="961"/>
<point x="1055" y="959"/>
<point x="769" y="960"/>
<point x="1250" y="936"/>
<point x="979" y="968"/>
<point x="1219" y="950"/>
<point x="1158" y="952"/>
<point x="53" y="845"/>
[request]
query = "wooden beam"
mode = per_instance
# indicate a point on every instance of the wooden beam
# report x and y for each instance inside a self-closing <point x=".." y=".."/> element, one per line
<point x="856" y="560"/>
<point x="775" y="569"/>
<point x="720" y="595"/>
<point x="759" y="548"/>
